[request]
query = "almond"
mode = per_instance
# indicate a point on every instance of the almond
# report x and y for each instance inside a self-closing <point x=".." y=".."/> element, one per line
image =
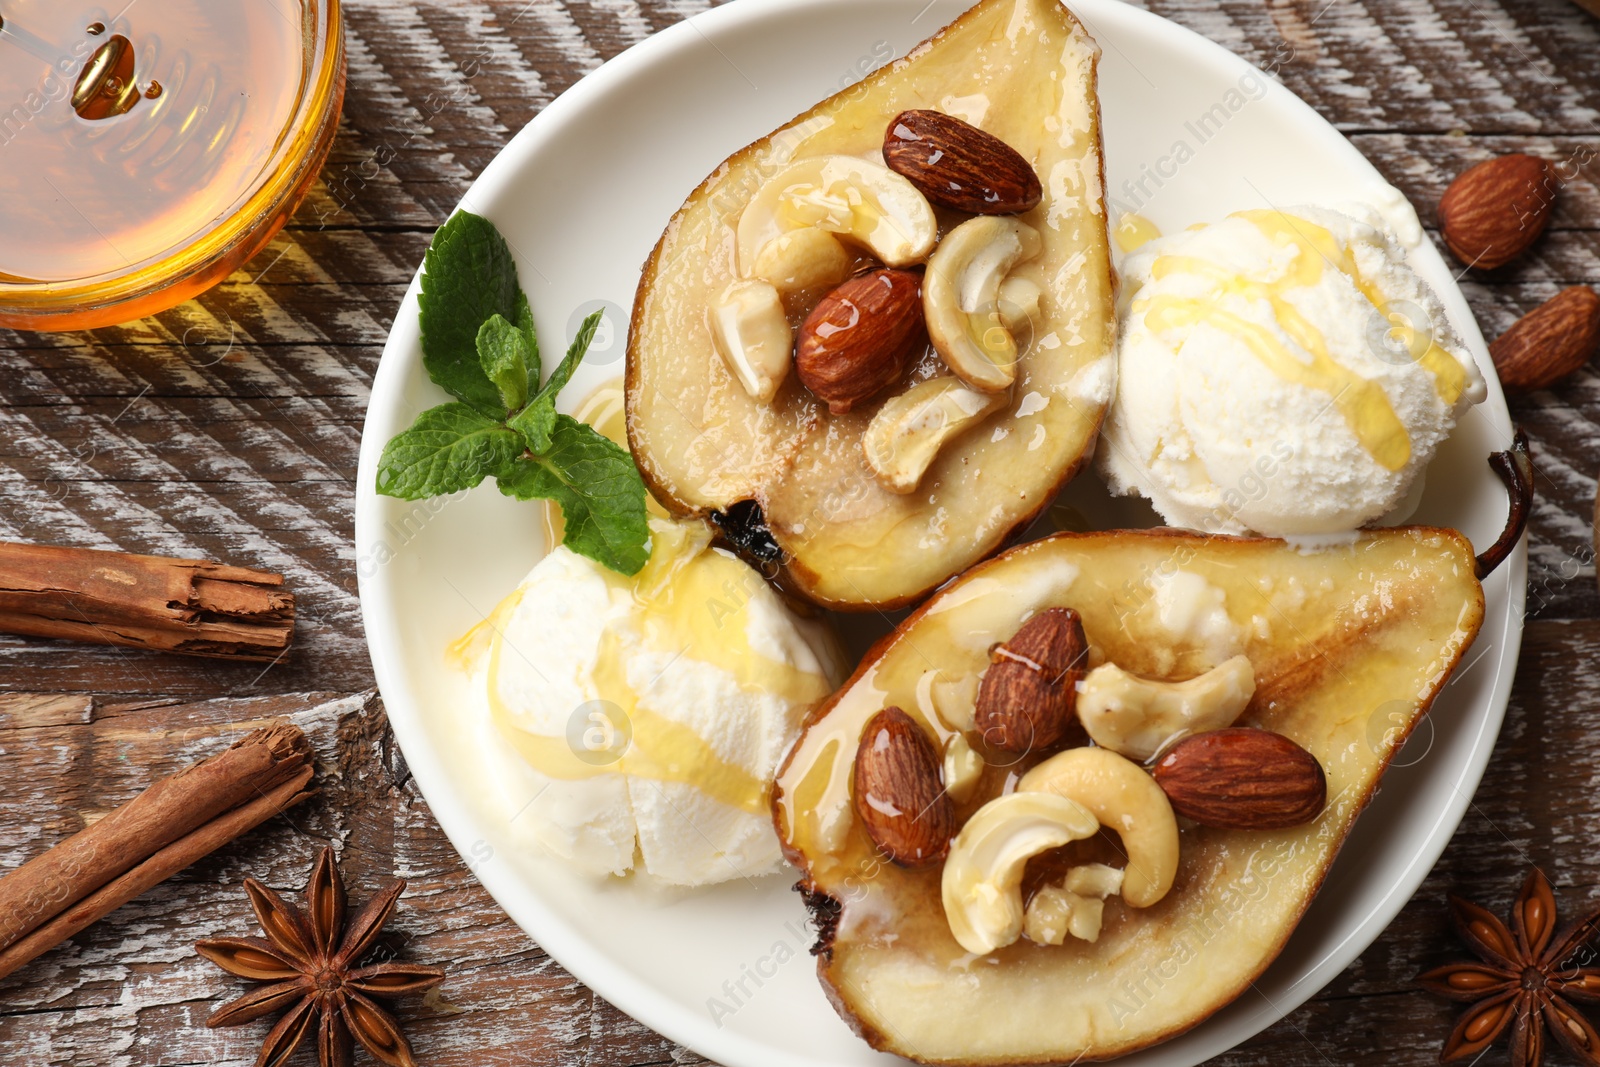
<point x="898" y="793"/>
<point x="1549" y="342"/>
<point x="1496" y="209"/>
<point x="956" y="165"/>
<point x="1027" y="698"/>
<point x="859" y="338"/>
<point x="1242" y="779"/>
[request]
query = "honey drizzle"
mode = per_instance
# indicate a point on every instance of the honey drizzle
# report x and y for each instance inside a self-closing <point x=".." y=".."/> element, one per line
<point x="692" y="602"/>
<point x="1134" y="231"/>
<point x="1362" y="402"/>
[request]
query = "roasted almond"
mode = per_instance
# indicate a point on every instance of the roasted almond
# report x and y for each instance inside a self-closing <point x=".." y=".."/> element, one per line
<point x="1242" y="779"/>
<point x="858" y="339"/>
<point x="956" y="165"/>
<point x="1027" y="698"/>
<point x="1496" y="209"/>
<point x="1549" y="342"/>
<point x="898" y="792"/>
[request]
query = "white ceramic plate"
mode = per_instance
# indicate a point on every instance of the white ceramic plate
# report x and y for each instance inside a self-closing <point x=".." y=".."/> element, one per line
<point x="582" y="194"/>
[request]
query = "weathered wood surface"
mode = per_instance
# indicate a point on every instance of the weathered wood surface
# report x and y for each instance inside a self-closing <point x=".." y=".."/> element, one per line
<point x="228" y="427"/>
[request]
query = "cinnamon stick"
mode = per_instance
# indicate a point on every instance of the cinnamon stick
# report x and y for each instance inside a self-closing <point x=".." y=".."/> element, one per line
<point x="155" y="835"/>
<point x="170" y="605"/>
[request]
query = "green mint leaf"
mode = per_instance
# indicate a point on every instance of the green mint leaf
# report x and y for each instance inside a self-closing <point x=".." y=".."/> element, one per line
<point x="524" y="321"/>
<point x="575" y="354"/>
<point x="598" y="488"/>
<point x="467" y="276"/>
<point x="503" y="352"/>
<point x="449" y="448"/>
<point x="536" y="423"/>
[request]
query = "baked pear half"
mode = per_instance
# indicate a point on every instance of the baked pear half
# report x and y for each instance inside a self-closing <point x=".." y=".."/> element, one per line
<point x="722" y="415"/>
<point x="1323" y="659"/>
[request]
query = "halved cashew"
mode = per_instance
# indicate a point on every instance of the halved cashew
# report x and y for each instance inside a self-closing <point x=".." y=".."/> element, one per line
<point x="1139" y="717"/>
<point x="1019" y="303"/>
<point x="1076" y="906"/>
<point x="1094" y="880"/>
<point x="963" y="768"/>
<point x="1125" y="799"/>
<point x="752" y="335"/>
<point x="961" y="298"/>
<point x="857" y="199"/>
<point x="982" y="882"/>
<point x="952" y="697"/>
<point x="808" y="258"/>
<point x="907" y="433"/>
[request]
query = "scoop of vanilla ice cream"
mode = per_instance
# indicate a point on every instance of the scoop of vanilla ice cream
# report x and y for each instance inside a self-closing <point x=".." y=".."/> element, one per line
<point x="650" y="712"/>
<point x="1263" y="384"/>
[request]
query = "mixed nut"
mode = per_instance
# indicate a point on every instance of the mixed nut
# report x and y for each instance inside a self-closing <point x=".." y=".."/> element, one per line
<point x="958" y="166"/>
<point x="859" y="338"/>
<point x="1242" y="779"/>
<point x="1494" y="212"/>
<point x="899" y="791"/>
<point x="1161" y="751"/>
<point x="1026" y="698"/>
<point x="1496" y="209"/>
<point x="806" y="230"/>
<point x="1549" y="342"/>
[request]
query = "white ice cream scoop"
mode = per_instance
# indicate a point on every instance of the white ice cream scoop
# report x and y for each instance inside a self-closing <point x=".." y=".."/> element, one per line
<point x="643" y="718"/>
<point x="1280" y="372"/>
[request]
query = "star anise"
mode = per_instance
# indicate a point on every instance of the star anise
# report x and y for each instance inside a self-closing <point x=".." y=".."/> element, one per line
<point x="1528" y="979"/>
<point x="312" y="964"/>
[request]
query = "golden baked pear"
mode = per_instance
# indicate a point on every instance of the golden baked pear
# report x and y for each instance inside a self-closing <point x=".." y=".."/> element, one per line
<point x="721" y="421"/>
<point x="1347" y="646"/>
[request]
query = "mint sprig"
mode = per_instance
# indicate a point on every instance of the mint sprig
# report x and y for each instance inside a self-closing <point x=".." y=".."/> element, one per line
<point x="449" y="448"/>
<point x="479" y="345"/>
<point x="467" y="276"/>
<point x="508" y="361"/>
<point x="594" y="481"/>
<point x="537" y="420"/>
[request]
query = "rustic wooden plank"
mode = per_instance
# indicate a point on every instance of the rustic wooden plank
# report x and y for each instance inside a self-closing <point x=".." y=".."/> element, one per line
<point x="1524" y="66"/>
<point x="26" y="711"/>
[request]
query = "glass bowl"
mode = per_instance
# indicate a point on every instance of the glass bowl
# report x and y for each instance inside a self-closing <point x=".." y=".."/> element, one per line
<point x="155" y="148"/>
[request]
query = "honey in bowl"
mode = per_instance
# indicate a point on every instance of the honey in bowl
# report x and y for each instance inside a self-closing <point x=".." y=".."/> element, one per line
<point x="151" y="148"/>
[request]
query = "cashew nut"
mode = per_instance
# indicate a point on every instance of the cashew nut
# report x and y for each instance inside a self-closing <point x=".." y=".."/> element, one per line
<point x="1094" y="880"/>
<point x="752" y="334"/>
<point x="950" y="696"/>
<point x="907" y="433"/>
<point x="1139" y="717"/>
<point x="1076" y="906"/>
<point x="961" y="298"/>
<point x="807" y="258"/>
<point x="1019" y="303"/>
<point x="982" y="882"/>
<point x="1125" y="799"/>
<point x="963" y="768"/>
<point x="862" y="201"/>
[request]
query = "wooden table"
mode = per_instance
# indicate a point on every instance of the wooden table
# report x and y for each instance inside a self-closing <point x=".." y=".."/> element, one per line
<point x="228" y="428"/>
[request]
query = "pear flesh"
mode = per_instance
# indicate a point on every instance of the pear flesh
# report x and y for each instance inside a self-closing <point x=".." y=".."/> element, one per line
<point x="1023" y="70"/>
<point x="1349" y="644"/>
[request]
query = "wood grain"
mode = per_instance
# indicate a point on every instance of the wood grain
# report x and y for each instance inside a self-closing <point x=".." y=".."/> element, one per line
<point x="228" y="428"/>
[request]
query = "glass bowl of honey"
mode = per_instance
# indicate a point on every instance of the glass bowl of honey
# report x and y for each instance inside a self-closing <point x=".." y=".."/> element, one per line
<point x="150" y="148"/>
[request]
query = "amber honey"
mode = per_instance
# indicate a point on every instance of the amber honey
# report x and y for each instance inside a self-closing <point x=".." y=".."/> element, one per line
<point x="148" y="148"/>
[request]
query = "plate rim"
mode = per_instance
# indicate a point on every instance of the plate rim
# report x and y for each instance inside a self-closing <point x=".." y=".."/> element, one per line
<point x="435" y="782"/>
